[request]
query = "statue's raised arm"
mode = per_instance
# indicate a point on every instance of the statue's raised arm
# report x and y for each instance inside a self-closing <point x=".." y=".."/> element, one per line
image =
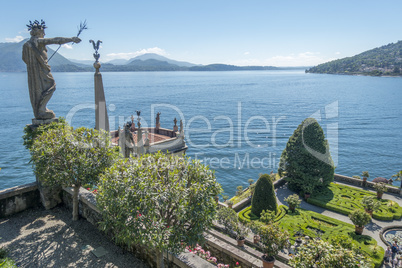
<point x="41" y="83"/>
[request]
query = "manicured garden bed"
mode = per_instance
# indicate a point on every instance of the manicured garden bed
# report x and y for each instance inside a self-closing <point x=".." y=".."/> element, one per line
<point x="314" y="224"/>
<point x="246" y="193"/>
<point x="344" y="199"/>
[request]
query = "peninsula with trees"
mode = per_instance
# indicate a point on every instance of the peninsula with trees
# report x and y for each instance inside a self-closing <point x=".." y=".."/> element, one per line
<point x="381" y="61"/>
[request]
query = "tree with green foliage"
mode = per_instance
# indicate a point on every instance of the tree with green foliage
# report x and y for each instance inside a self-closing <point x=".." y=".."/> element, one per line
<point x="30" y="134"/>
<point x="264" y="196"/>
<point x="228" y="218"/>
<point x="68" y="157"/>
<point x="359" y="218"/>
<point x="322" y="254"/>
<point x="306" y="161"/>
<point x="161" y="202"/>
<point x="293" y="201"/>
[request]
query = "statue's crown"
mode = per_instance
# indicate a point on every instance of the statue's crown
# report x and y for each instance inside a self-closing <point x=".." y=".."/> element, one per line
<point x="36" y="25"/>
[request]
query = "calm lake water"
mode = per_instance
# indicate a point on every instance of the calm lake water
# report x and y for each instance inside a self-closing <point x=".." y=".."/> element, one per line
<point x="236" y="122"/>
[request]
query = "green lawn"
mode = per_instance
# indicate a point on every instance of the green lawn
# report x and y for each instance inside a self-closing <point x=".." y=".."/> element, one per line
<point x="344" y="199"/>
<point x="312" y="224"/>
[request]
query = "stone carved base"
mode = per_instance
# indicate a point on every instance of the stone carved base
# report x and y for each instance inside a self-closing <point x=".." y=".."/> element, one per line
<point x="50" y="197"/>
<point x="39" y="122"/>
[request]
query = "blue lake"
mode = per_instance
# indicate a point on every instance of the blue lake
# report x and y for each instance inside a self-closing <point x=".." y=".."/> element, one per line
<point x="236" y="122"/>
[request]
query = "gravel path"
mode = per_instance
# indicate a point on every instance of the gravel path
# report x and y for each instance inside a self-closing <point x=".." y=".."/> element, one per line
<point x="49" y="238"/>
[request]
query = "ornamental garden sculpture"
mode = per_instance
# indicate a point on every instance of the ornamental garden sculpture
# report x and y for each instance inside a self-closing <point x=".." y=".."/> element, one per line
<point x="40" y="80"/>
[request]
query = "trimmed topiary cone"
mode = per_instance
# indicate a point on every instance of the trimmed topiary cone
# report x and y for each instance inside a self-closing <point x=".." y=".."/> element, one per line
<point x="264" y="196"/>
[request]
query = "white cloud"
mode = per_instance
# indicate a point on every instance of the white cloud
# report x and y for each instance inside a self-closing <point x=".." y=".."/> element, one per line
<point x="337" y="53"/>
<point x="68" y="46"/>
<point x="129" y="55"/>
<point x="16" y="39"/>
<point x="246" y="53"/>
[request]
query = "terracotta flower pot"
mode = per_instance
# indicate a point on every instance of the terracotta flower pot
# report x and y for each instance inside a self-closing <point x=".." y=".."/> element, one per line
<point x="359" y="229"/>
<point x="267" y="262"/>
<point x="230" y="205"/>
<point x="379" y="195"/>
<point x="307" y="195"/>
<point x="240" y="242"/>
<point x="292" y="208"/>
<point x="364" y="179"/>
<point x="369" y="212"/>
<point x="256" y="239"/>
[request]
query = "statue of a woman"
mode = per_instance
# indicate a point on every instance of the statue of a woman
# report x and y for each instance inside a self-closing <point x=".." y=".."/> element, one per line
<point x="40" y="80"/>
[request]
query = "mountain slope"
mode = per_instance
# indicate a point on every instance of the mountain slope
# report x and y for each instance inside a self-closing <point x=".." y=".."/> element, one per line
<point x="385" y="60"/>
<point x="11" y="59"/>
<point x="153" y="56"/>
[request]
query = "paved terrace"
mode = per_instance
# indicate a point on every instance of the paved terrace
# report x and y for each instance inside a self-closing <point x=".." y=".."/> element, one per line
<point x="49" y="238"/>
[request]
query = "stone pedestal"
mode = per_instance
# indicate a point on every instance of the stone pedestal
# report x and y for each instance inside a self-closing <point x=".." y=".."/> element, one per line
<point x="50" y="197"/>
<point x="37" y="122"/>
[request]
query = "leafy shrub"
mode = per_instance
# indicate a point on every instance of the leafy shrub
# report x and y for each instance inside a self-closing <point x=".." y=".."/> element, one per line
<point x="359" y="217"/>
<point x="323" y="254"/>
<point x="227" y="217"/>
<point x="293" y="201"/>
<point x="264" y="197"/>
<point x="64" y="156"/>
<point x="159" y="201"/>
<point x="30" y="135"/>
<point x="273" y="239"/>
<point x="239" y="190"/>
<point x="380" y="187"/>
<point x="267" y="216"/>
<point x="370" y="203"/>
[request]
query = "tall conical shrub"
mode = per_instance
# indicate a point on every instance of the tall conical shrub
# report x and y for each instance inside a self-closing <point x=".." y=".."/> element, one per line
<point x="306" y="160"/>
<point x="264" y="196"/>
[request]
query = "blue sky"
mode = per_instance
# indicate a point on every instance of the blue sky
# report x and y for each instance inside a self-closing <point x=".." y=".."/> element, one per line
<point x="279" y="33"/>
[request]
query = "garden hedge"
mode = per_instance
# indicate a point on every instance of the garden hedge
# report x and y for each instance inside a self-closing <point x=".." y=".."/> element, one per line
<point x="344" y="199"/>
<point x="264" y="197"/>
<point x="311" y="224"/>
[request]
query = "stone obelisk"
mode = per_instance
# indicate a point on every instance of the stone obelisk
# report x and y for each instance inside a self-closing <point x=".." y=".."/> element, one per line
<point x="101" y="117"/>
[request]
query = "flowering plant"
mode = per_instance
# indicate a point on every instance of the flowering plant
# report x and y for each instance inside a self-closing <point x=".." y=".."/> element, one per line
<point x="206" y="255"/>
<point x="273" y="239"/>
<point x="323" y="254"/>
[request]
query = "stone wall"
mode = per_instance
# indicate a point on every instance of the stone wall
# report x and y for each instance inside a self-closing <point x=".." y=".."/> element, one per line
<point x="226" y="250"/>
<point x="359" y="183"/>
<point x="17" y="199"/>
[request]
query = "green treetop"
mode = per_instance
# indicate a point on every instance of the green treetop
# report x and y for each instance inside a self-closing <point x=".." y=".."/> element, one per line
<point x="306" y="161"/>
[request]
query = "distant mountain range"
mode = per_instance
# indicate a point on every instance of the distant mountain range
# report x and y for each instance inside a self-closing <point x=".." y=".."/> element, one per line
<point x="385" y="60"/>
<point x="11" y="61"/>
